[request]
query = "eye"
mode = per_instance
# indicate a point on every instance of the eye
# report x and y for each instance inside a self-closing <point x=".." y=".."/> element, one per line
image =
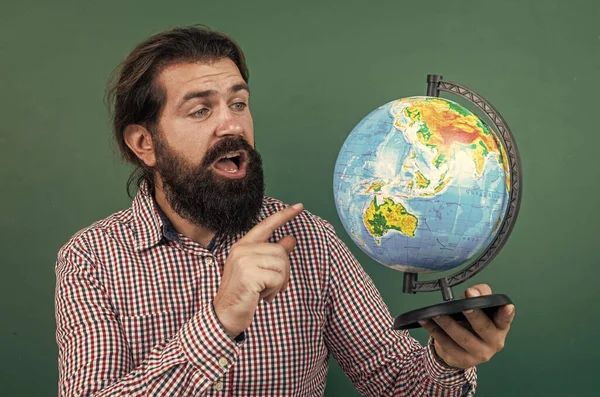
<point x="239" y="106"/>
<point x="200" y="113"/>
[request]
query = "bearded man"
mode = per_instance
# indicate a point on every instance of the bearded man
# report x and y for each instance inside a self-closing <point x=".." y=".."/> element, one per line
<point x="205" y="287"/>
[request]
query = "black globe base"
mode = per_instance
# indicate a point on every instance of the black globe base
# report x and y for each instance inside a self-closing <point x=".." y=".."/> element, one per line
<point x="453" y="308"/>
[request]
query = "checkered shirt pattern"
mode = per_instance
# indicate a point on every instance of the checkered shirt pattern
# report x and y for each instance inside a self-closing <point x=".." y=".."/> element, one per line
<point x="135" y="318"/>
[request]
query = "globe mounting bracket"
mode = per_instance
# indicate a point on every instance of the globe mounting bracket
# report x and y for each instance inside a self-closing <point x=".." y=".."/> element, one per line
<point x="411" y="285"/>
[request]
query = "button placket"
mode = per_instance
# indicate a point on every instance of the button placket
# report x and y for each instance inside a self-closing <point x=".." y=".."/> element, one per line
<point x="212" y="261"/>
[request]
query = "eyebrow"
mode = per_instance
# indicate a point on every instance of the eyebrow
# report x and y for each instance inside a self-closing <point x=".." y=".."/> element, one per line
<point x="207" y="93"/>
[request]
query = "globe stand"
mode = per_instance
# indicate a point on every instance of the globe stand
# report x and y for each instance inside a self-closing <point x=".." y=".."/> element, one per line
<point x="453" y="308"/>
<point x="490" y="303"/>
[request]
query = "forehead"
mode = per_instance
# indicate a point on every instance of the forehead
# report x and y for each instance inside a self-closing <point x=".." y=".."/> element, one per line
<point x="219" y="75"/>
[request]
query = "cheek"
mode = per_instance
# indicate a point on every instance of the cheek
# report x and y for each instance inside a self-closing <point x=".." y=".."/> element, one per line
<point x="187" y="141"/>
<point x="249" y="130"/>
<point x="192" y="151"/>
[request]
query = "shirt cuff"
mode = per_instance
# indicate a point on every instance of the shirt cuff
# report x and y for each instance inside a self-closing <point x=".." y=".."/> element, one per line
<point x="206" y="345"/>
<point x="443" y="374"/>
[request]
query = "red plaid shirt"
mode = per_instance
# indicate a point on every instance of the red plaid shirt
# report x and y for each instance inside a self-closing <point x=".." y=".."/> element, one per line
<point x="134" y="317"/>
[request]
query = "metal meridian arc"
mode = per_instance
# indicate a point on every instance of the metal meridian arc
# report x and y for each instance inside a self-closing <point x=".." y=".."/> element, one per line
<point x="436" y="84"/>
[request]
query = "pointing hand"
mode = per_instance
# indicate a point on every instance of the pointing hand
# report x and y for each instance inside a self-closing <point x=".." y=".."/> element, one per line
<point x="254" y="270"/>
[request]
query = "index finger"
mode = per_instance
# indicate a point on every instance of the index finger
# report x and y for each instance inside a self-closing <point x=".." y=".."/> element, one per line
<point x="504" y="317"/>
<point x="261" y="232"/>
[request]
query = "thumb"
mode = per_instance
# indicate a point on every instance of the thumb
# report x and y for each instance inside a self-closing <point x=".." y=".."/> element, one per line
<point x="289" y="243"/>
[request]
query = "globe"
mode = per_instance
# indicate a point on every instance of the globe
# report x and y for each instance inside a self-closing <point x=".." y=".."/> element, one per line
<point x="422" y="184"/>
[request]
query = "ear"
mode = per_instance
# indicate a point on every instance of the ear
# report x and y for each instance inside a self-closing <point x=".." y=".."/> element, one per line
<point x="139" y="140"/>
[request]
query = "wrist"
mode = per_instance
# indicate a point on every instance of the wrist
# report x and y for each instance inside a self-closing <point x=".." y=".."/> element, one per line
<point x="438" y="359"/>
<point x="223" y="320"/>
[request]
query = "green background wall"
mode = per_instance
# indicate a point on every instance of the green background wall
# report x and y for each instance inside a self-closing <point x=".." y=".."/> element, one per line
<point x="317" y="68"/>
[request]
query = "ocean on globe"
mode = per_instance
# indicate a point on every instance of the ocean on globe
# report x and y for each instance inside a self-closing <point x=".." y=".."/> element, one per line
<point x="422" y="184"/>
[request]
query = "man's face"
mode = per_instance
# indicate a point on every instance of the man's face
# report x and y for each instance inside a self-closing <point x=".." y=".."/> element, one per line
<point x="205" y="102"/>
<point x="204" y="146"/>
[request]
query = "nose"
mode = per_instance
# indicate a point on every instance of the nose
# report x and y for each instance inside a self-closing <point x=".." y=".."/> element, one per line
<point x="228" y="124"/>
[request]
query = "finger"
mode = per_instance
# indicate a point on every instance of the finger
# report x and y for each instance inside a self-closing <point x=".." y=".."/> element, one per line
<point x="268" y="249"/>
<point x="478" y="290"/>
<point x="286" y="283"/>
<point x="271" y="263"/>
<point x="445" y="342"/>
<point x="504" y="317"/>
<point x="261" y="232"/>
<point x="471" y="293"/>
<point x="482" y="325"/>
<point x="269" y="294"/>
<point x="270" y="282"/>
<point x="289" y="243"/>
<point x="460" y="335"/>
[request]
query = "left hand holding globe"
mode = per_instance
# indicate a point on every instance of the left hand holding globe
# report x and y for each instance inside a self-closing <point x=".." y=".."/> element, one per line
<point x="465" y="346"/>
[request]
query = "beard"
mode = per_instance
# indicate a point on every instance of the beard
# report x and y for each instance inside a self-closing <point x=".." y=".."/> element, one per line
<point x="201" y="196"/>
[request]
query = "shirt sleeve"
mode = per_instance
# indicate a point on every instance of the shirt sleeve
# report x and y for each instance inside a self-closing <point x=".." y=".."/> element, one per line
<point x="93" y="355"/>
<point x="378" y="360"/>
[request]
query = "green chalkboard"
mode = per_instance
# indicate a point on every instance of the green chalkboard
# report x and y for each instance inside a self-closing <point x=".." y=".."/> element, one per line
<point x="317" y="68"/>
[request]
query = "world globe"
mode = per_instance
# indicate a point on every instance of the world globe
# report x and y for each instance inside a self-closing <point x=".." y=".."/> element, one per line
<point x="422" y="184"/>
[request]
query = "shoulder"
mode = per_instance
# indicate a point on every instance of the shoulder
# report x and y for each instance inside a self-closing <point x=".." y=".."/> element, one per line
<point x="85" y="243"/>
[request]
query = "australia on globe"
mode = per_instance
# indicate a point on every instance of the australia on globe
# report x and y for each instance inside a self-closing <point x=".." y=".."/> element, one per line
<point x="421" y="184"/>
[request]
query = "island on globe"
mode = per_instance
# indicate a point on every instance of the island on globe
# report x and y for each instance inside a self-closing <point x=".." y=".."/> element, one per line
<point x="421" y="184"/>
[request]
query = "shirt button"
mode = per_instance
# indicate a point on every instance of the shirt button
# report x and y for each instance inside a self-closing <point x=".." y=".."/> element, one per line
<point x="209" y="261"/>
<point x="219" y="386"/>
<point x="223" y="362"/>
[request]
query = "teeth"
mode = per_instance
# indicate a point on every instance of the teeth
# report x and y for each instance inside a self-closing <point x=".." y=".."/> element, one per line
<point x="230" y="155"/>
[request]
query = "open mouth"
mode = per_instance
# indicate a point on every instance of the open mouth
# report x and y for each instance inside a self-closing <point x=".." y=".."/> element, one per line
<point x="232" y="165"/>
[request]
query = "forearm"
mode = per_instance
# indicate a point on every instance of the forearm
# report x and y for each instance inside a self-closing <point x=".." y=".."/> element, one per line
<point x="392" y="363"/>
<point x="189" y="363"/>
<point x="96" y="357"/>
<point x="165" y="371"/>
<point x="422" y="373"/>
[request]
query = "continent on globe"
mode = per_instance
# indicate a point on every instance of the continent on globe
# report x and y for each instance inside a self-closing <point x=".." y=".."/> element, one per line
<point x="446" y="128"/>
<point x="379" y="219"/>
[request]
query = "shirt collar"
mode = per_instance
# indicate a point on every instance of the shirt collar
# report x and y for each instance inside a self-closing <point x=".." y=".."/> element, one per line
<point x="150" y="222"/>
<point x="168" y="230"/>
<point x="147" y="221"/>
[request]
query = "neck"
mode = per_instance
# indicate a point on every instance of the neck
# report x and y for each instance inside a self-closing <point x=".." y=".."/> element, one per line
<point x="194" y="232"/>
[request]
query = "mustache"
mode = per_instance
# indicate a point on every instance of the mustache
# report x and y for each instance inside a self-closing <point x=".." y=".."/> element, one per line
<point x="224" y="146"/>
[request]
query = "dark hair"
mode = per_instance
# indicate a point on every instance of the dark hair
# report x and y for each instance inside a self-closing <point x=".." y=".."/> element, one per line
<point x="135" y="98"/>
